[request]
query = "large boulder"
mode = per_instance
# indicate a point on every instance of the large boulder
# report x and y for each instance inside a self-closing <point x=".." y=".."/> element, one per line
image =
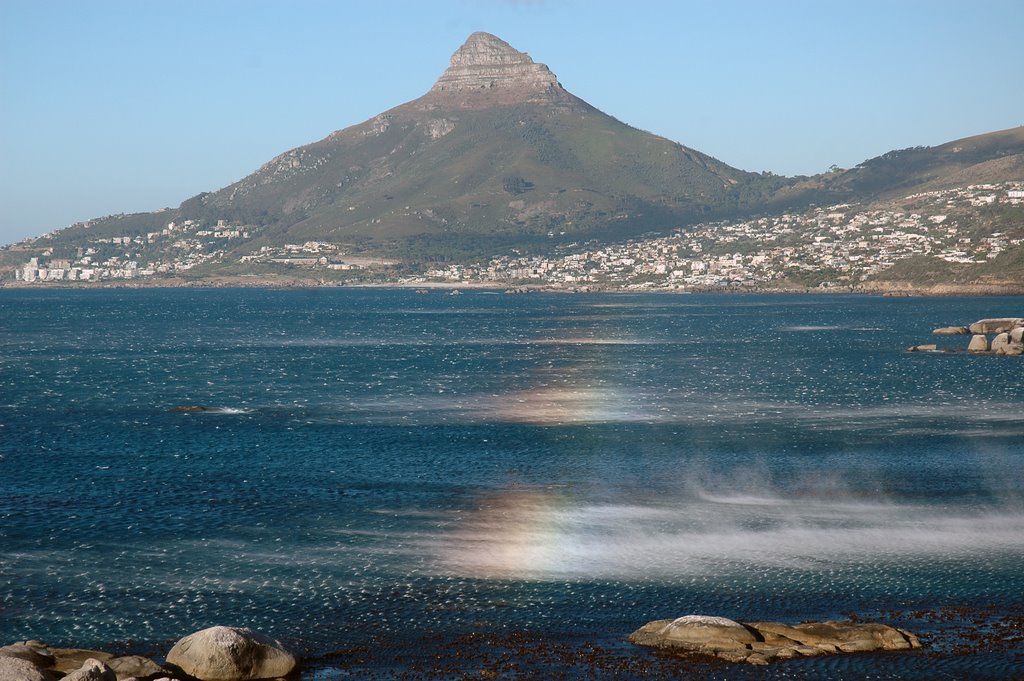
<point x="230" y="654"/>
<point x="1017" y="335"/>
<point x="763" y="642"/>
<point x="18" y="669"/>
<point x="979" y="343"/>
<point x="995" y="325"/>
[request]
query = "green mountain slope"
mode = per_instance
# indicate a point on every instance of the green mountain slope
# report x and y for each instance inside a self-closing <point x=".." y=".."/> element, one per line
<point x="992" y="157"/>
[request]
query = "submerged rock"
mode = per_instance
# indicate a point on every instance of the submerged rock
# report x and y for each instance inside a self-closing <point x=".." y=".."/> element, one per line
<point x="763" y="642"/>
<point x="230" y="654"/>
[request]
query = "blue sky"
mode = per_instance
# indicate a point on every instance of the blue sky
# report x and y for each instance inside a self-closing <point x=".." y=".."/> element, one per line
<point x="111" y="106"/>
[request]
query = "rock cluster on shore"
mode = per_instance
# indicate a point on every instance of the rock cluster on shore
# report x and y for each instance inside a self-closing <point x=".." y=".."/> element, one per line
<point x="214" y="654"/>
<point x="762" y="642"/>
<point x="1007" y="332"/>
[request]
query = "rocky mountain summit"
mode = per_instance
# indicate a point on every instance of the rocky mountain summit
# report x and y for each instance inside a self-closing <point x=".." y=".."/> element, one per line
<point x="487" y="63"/>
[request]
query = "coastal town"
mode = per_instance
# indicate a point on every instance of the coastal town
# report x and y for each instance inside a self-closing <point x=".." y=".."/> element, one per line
<point x="833" y="247"/>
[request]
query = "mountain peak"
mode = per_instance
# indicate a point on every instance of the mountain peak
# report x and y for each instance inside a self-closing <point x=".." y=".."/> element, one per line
<point x="486" y="62"/>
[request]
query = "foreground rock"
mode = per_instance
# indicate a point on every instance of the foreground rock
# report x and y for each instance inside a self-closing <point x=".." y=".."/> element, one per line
<point x="230" y="654"/>
<point x="18" y="669"/>
<point x="30" y="651"/>
<point x="763" y="642"/>
<point x="36" y="661"/>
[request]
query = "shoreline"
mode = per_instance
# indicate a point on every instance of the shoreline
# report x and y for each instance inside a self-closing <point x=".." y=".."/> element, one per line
<point x="888" y="291"/>
<point x="974" y="641"/>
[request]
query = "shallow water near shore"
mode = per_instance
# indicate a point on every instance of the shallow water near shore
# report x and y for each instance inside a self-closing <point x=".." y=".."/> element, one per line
<point x="450" y="484"/>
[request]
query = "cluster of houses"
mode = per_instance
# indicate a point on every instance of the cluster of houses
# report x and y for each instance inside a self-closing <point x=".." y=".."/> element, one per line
<point x="182" y="246"/>
<point x="841" y="245"/>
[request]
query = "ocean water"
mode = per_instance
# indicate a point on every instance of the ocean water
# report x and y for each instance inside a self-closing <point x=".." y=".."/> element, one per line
<point x="403" y="484"/>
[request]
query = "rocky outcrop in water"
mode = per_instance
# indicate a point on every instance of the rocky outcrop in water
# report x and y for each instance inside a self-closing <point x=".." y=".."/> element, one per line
<point x="762" y="642"/>
<point x="1008" y="339"/>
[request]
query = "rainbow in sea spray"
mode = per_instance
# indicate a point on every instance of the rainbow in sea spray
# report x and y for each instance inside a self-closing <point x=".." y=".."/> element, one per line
<point x="551" y="533"/>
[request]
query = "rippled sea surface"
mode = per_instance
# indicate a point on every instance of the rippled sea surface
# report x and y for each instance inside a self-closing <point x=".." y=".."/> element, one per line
<point x="432" y="484"/>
